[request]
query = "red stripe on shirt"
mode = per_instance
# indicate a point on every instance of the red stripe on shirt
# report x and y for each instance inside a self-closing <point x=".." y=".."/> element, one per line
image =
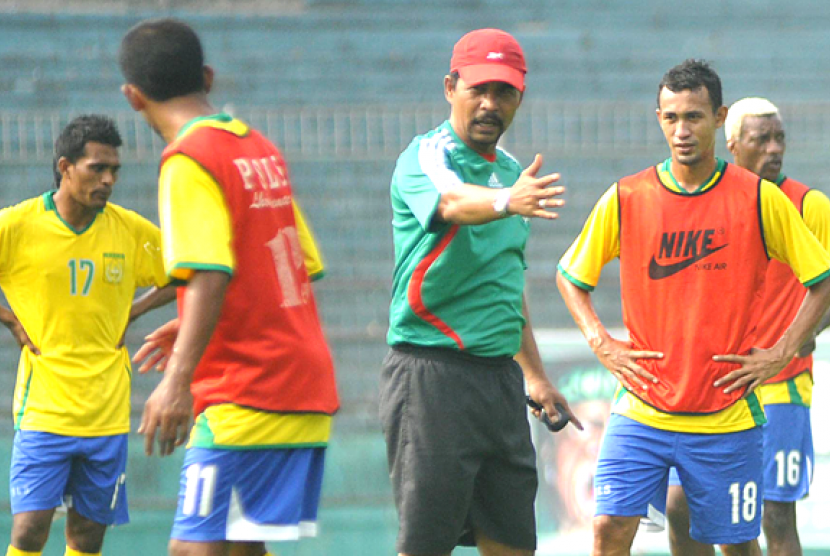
<point x="416" y="300"/>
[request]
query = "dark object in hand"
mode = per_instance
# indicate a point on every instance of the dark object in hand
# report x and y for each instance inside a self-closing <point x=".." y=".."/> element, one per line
<point x="553" y="426"/>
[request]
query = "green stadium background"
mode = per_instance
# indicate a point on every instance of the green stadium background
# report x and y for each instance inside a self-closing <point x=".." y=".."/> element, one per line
<point x="342" y="87"/>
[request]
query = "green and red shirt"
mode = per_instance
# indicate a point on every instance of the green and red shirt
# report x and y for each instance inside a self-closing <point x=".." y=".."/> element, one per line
<point x="457" y="287"/>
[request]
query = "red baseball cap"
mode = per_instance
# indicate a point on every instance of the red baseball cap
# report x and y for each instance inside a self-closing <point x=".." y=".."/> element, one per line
<point x="489" y="55"/>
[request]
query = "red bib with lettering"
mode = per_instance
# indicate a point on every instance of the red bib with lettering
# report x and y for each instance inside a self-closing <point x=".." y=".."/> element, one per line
<point x="692" y="271"/>
<point x="268" y="351"/>
<point x="783" y="295"/>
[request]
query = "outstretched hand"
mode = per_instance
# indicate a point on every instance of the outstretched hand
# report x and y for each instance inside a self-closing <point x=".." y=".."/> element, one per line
<point x="157" y="347"/>
<point x="621" y="360"/>
<point x="532" y="196"/>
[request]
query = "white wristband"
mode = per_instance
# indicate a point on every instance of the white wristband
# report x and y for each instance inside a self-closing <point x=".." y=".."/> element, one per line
<point x="502" y="201"/>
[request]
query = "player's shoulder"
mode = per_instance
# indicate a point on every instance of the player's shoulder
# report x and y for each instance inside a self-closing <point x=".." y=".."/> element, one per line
<point x="639" y="181"/>
<point x="33" y="205"/>
<point x="426" y="153"/>
<point x="817" y="200"/>
<point x="648" y="172"/>
<point x="800" y="192"/>
<point x="741" y="179"/>
<point x="125" y="216"/>
<point x="809" y="192"/>
<point x="25" y="210"/>
<point x="795" y="183"/>
<point x="771" y="190"/>
<point x="202" y="133"/>
<point x="436" y="140"/>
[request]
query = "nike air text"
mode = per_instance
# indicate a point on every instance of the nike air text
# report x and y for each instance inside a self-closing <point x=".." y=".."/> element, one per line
<point x="693" y="245"/>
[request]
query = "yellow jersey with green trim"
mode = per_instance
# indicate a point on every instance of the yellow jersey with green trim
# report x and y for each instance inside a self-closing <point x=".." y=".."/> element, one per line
<point x="785" y="238"/>
<point x="190" y="199"/>
<point x="783" y="295"/>
<point x="72" y="291"/>
<point x="797" y="390"/>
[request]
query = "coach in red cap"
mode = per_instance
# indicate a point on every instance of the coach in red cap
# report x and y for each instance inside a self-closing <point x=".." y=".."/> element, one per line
<point x="489" y="55"/>
<point x="452" y="400"/>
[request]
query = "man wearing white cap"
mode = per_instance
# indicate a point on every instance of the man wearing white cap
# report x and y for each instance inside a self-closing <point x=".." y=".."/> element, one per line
<point x="452" y="395"/>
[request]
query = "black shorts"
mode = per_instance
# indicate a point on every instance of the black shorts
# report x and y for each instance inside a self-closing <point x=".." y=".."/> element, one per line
<point x="459" y="449"/>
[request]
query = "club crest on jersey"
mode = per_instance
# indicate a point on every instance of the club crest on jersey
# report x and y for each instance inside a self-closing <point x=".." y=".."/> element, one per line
<point x="114" y="267"/>
<point x="685" y="249"/>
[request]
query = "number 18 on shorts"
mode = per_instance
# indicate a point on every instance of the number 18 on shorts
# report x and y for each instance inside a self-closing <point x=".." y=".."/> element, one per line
<point x="721" y="474"/>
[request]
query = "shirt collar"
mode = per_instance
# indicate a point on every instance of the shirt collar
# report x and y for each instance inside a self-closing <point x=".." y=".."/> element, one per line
<point x="470" y="155"/>
<point x="222" y="117"/>
<point x="668" y="179"/>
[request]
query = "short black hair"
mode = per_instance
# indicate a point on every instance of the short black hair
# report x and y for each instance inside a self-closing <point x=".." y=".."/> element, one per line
<point x="454" y="79"/>
<point x="691" y="75"/>
<point x="163" y="58"/>
<point x="89" y="128"/>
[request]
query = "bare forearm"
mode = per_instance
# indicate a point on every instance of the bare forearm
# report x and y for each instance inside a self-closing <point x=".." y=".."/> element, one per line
<point x="469" y="204"/>
<point x="152" y="299"/>
<point x="529" y="196"/>
<point x="813" y="311"/>
<point x="823" y="323"/>
<point x="203" y="301"/>
<point x="582" y="310"/>
<point x="7" y="317"/>
<point x="528" y="357"/>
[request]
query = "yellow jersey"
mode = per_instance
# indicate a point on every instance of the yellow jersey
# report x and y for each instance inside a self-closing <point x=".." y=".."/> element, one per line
<point x="72" y="291"/>
<point x="798" y="390"/>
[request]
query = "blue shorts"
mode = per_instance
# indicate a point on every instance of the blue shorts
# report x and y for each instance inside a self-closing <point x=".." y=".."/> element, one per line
<point x="674" y="478"/>
<point x="788" y="452"/>
<point x="249" y="495"/>
<point x="721" y="473"/>
<point x="87" y="474"/>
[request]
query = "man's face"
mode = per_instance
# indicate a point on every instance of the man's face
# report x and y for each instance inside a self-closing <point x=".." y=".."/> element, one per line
<point x="481" y="114"/>
<point x="760" y="146"/>
<point x="90" y="179"/>
<point x="689" y="124"/>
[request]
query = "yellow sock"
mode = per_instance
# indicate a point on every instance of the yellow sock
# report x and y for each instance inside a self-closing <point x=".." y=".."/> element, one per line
<point x="12" y="551"/>
<point x="73" y="552"/>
